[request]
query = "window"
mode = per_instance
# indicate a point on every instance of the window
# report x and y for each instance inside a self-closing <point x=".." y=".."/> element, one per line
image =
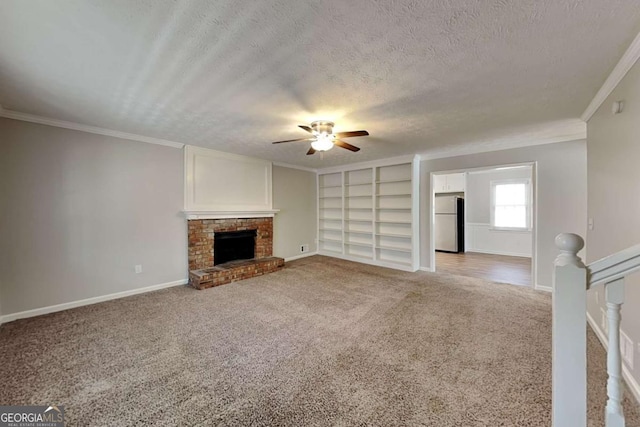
<point x="511" y="204"/>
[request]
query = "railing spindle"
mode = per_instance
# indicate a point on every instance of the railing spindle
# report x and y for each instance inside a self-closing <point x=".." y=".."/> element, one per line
<point x="614" y="416"/>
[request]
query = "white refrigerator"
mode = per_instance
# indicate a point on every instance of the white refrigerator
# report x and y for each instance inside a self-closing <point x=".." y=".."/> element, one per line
<point x="449" y="223"/>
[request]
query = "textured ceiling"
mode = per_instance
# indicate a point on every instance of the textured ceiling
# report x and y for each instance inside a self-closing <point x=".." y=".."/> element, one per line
<point x="420" y="76"/>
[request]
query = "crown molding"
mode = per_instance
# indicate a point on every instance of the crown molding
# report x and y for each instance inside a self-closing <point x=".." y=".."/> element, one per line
<point x="570" y="131"/>
<point x="629" y="58"/>
<point x="290" y="166"/>
<point x="16" y="115"/>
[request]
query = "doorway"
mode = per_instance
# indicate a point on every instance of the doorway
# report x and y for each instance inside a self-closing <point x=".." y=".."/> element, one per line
<point x="483" y="223"/>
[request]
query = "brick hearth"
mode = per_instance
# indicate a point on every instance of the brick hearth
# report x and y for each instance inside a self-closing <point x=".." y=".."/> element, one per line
<point x="202" y="272"/>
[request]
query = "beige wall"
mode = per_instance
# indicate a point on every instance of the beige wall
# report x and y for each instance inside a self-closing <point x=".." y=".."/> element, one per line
<point x="562" y="194"/>
<point x="79" y="211"/>
<point x="614" y="195"/>
<point x="294" y="193"/>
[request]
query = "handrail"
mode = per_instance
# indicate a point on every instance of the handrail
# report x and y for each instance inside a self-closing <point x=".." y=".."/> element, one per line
<point x="614" y="267"/>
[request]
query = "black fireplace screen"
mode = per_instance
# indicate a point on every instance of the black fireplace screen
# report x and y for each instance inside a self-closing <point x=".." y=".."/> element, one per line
<point x="233" y="245"/>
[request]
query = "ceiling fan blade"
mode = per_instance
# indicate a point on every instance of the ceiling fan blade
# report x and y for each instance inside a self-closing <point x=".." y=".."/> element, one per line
<point x="294" y="140"/>
<point x="345" y="145"/>
<point x="307" y="128"/>
<point x="311" y="151"/>
<point x="351" y="134"/>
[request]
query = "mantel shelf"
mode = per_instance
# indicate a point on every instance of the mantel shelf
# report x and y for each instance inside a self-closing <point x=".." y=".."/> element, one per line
<point x="267" y="213"/>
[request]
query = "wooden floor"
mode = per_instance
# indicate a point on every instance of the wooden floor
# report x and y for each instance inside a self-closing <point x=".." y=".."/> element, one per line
<point x="497" y="268"/>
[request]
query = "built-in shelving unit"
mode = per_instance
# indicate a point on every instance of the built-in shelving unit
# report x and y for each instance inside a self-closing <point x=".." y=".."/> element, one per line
<point x="370" y="214"/>
<point x="330" y="213"/>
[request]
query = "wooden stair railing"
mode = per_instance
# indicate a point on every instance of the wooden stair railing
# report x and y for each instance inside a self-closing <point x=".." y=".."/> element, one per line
<point x="571" y="280"/>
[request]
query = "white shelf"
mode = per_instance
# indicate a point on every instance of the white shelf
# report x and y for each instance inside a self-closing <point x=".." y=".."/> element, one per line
<point x="393" y="180"/>
<point x="330" y="229"/>
<point x="330" y="240"/>
<point x="401" y="236"/>
<point x="368" y="233"/>
<point x="331" y="250"/>
<point x="394" y="195"/>
<point x="393" y="222"/>
<point x="362" y="245"/>
<point x="356" y="197"/>
<point x="330" y="197"/>
<point x="391" y="248"/>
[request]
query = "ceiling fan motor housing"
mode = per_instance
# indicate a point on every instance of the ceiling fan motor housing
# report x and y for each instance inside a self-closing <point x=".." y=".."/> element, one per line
<point x="322" y="127"/>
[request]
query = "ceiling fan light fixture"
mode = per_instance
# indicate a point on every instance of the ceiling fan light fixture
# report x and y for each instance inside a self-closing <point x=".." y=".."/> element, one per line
<point x="323" y="143"/>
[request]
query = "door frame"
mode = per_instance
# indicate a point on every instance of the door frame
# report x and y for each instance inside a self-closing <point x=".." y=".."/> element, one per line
<point x="534" y="213"/>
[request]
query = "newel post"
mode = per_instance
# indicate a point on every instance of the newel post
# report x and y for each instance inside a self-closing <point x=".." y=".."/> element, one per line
<point x="569" y="334"/>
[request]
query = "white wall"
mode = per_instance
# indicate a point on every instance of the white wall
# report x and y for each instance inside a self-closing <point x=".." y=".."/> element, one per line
<point x="79" y="211"/>
<point x="294" y="193"/>
<point x="614" y="196"/>
<point x="561" y="186"/>
<point x="480" y="235"/>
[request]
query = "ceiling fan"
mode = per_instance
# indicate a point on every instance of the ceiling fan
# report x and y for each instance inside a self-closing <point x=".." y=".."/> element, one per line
<point x="324" y="139"/>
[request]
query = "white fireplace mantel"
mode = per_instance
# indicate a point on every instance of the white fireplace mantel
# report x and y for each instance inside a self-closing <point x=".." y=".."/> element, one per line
<point x="268" y="213"/>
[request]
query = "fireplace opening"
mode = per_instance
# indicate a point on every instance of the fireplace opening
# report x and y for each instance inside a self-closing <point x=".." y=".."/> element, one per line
<point x="233" y="245"/>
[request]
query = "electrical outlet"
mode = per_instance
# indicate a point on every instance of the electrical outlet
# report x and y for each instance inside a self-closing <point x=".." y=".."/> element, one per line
<point x="304" y="248"/>
<point x="626" y="349"/>
<point x="138" y="268"/>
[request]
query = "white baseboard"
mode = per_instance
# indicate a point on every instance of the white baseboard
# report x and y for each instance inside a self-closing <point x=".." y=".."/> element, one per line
<point x="543" y="288"/>
<point x="88" y="301"/>
<point x="626" y="374"/>
<point x="293" y="258"/>
<point x="428" y="269"/>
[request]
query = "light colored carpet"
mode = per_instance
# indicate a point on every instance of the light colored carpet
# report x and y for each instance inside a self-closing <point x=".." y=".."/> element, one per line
<point x="322" y="342"/>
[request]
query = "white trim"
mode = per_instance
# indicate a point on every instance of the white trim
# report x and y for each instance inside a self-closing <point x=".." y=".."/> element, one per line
<point x="621" y="69"/>
<point x="68" y="305"/>
<point x="572" y="130"/>
<point x="427" y="269"/>
<point x="543" y="288"/>
<point x="16" y="115"/>
<point x="230" y="214"/>
<point x="295" y="257"/>
<point x="290" y="166"/>
<point x="370" y="164"/>
<point x="626" y="374"/>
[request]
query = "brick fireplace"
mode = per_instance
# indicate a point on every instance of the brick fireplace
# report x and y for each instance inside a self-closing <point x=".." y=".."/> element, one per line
<point x="204" y="272"/>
